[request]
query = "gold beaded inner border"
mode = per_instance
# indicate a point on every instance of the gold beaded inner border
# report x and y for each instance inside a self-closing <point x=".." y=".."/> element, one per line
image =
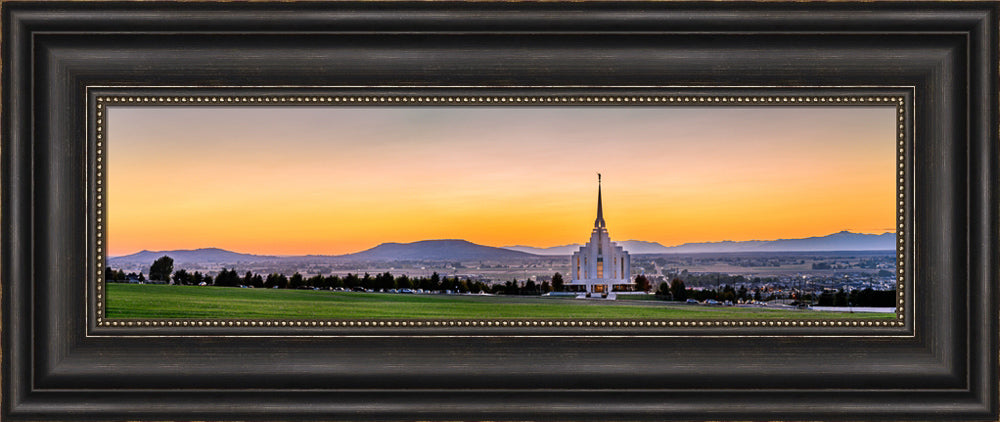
<point x="98" y="109"/>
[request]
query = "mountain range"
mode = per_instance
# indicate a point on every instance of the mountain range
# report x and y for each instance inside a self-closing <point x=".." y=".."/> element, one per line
<point x="463" y="250"/>
<point x="842" y="241"/>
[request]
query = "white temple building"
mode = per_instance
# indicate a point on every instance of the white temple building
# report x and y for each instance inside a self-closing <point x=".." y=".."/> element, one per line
<point x="600" y="267"/>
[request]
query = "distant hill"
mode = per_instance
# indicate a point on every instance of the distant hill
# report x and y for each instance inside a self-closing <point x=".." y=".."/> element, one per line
<point x="639" y="247"/>
<point x="553" y="250"/>
<point x="843" y="241"/>
<point x="204" y="255"/>
<point x="427" y="250"/>
<point x="436" y="250"/>
<point x="632" y="246"/>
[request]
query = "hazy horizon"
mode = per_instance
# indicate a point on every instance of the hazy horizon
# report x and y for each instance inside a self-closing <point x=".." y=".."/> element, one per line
<point x="494" y="246"/>
<point x="331" y="180"/>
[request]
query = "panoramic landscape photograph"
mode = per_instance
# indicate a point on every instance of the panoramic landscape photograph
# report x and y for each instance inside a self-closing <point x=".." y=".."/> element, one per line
<point x="501" y="212"/>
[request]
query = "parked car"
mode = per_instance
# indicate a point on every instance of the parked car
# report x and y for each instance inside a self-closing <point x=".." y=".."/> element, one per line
<point x="691" y="302"/>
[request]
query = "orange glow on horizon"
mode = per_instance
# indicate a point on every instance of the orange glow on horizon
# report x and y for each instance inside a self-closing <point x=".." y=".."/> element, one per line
<point x="334" y="180"/>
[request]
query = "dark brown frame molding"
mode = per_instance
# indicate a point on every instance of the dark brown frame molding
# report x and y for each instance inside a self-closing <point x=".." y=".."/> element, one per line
<point x="940" y="364"/>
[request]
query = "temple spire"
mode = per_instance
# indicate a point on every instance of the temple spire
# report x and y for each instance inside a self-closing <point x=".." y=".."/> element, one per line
<point x="599" y="222"/>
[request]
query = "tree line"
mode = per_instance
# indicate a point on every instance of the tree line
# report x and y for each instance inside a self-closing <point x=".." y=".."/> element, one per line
<point x="677" y="291"/>
<point x="162" y="270"/>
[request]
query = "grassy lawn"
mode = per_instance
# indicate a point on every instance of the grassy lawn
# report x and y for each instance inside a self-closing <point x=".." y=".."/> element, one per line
<point x="164" y="301"/>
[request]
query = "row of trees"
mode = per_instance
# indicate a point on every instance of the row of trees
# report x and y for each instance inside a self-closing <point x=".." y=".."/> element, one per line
<point x="159" y="271"/>
<point x="185" y="278"/>
<point x="677" y="291"/>
<point x="717" y="279"/>
<point x="673" y="291"/>
<point x="527" y="287"/>
<point x="382" y="281"/>
<point x="162" y="270"/>
<point x="119" y="275"/>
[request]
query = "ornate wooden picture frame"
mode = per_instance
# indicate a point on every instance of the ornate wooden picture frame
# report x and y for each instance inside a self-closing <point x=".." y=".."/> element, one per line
<point x="64" y="62"/>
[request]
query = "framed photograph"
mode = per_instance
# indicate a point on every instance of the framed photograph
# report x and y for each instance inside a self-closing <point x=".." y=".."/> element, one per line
<point x="320" y="187"/>
<point x="499" y="211"/>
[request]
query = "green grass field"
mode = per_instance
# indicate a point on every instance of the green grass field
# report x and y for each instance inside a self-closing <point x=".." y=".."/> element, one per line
<point x="164" y="301"/>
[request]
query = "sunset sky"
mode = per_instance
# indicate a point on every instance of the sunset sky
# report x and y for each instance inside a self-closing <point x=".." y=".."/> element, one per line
<point x="332" y="180"/>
